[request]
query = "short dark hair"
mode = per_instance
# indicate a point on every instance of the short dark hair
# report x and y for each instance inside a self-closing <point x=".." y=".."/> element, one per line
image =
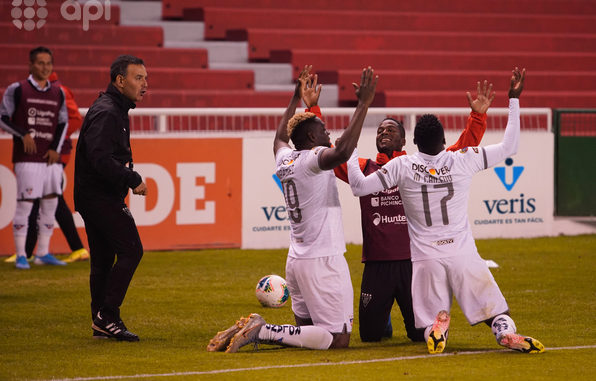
<point x="400" y="125"/>
<point x="120" y="65"/>
<point x="429" y="132"/>
<point x="40" y="49"/>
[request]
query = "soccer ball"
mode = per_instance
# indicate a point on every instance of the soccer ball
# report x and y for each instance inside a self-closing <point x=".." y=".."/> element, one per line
<point x="272" y="291"/>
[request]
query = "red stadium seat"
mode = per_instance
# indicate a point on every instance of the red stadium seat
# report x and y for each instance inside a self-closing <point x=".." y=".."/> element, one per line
<point x="174" y="9"/>
<point x="553" y="99"/>
<point x="219" y="20"/>
<point x="52" y="34"/>
<point x="74" y="55"/>
<point x="327" y="62"/>
<point x="262" y="41"/>
<point x="159" y="78"/>
<point x="462" y="81"/>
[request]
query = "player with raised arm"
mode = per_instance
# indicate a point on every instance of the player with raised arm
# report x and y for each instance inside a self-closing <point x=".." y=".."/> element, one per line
<point x="387" y="274"/>
<point x="317" y="273"/>
<point x="434" y="186"/>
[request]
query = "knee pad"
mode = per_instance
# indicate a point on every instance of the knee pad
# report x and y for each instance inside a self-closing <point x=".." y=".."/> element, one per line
<point x="20" y="223"/>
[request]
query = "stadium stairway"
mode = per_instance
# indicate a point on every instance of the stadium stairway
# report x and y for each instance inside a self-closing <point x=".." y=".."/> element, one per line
<point x="434" y="47"/>
<point x="273" y="78"/>
<point x="182" y="73"/>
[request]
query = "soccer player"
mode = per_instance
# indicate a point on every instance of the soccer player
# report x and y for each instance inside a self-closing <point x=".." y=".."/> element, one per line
<point x="317" y="273"/>
<point x="103" y="175"/>
<point x="386" y="247"/>
<point x="434" y="186"/>
<point x="34" y="111"/>
<point x="63" y="213"/>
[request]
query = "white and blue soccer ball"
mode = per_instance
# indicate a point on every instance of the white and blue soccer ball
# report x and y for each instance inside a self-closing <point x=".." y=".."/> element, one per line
<point x="272" y="291"/>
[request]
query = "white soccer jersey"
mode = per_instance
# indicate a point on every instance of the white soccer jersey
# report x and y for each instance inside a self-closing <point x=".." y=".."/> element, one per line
<point x="435" y="190"/>
<point x="312" y="204"/>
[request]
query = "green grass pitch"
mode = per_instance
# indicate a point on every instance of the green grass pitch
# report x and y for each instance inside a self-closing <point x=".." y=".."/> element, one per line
<point x="178" y="300"/>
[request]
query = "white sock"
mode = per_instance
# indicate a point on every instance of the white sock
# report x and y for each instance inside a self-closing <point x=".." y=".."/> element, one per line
<point x="20" y="224"/>
<point x="427" y="332"/>
<point x="501" y="325"/>
<point x="45" y="224"/>
<point x="308" y="336"/>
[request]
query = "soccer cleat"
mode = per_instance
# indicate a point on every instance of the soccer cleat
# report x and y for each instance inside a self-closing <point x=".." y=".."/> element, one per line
<point x="77" y="255"/>
<point x="437" y="337"/>
<point x="113" y="329"/>
<point x="21" y="263"/>
<point x="222" y="339"/>
<point x="11" y="259"/>
<point x="520" y="343"/>
<point x="247" y="334"/>
<point x="48" y="259"/>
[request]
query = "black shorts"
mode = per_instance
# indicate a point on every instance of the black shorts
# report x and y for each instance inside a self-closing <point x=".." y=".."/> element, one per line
<point x="383" y="282"/>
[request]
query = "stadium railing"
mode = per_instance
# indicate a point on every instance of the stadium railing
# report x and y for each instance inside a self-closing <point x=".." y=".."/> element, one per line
<point x="238" y="120"/>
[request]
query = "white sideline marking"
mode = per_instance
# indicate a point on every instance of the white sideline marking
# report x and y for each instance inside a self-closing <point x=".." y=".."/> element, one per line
<point x="217" y="371"/>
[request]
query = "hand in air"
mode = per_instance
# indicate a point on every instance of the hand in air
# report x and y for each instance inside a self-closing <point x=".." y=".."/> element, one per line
<point x="484" y="97"/>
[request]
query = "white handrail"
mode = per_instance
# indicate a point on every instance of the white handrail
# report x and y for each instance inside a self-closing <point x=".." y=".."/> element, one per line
<point x="161" y="115"/>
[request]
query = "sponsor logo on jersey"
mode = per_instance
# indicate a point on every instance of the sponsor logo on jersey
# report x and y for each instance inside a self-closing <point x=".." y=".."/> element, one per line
<point x="377" y="219"/>
<point x="442" y="242"/>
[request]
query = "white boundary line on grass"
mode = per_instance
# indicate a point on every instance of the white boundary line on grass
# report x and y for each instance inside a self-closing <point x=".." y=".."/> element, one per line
<point x="218" y="371"/>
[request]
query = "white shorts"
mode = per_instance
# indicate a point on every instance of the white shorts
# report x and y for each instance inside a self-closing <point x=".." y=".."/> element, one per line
<point x="321" y="290"/>
<point x="35" y="180"/>
<point x="467" y="277"/>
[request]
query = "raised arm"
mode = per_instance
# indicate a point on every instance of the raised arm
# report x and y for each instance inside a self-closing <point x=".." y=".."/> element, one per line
<point x="362" y="185"/>
<point x="281" y="136"/>
<point x="497" y="152"/>
<point x="476" y="125"/>
<point x="365" y="92"/>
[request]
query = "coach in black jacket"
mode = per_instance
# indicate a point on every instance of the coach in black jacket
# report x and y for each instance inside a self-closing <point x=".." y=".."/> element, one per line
<point x="103" y="175"/>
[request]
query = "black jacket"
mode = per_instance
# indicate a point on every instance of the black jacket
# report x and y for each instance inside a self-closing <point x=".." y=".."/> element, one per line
<point x="103" y="162"/>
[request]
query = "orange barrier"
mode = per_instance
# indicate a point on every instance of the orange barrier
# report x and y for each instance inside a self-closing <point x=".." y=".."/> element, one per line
<point x="194" y="199"/>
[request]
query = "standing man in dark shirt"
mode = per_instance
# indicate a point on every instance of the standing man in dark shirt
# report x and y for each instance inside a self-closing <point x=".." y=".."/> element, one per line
<point x="103" y="174"/>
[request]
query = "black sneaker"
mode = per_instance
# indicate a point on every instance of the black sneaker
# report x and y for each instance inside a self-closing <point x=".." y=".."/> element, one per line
<point x="114" y="329"/>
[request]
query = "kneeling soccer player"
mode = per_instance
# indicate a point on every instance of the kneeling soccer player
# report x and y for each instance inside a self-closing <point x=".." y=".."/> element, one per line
<point x="317" y="273"/>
